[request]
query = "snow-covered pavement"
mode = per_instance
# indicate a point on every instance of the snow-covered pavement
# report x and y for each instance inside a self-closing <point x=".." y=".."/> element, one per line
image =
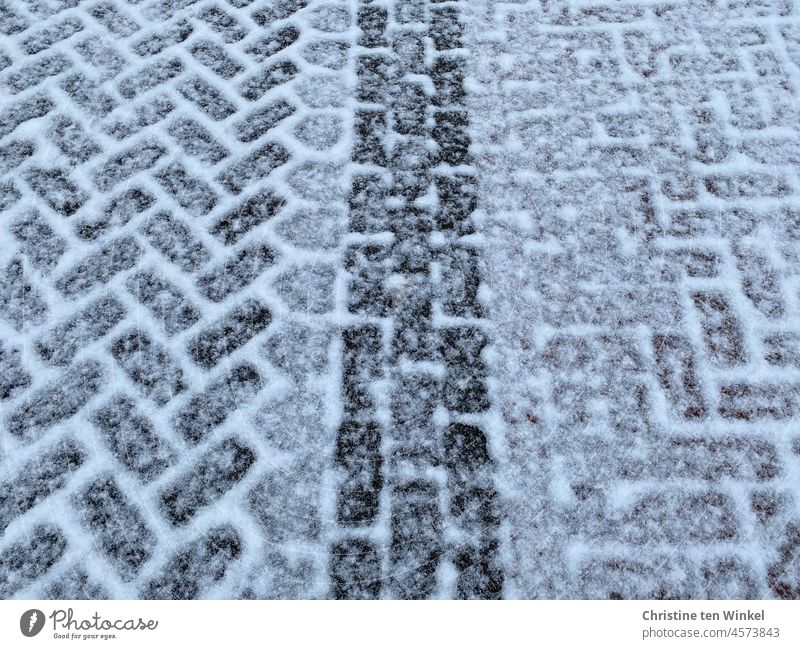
<point x="639" y="213"/>
<point x="399" y="298"/>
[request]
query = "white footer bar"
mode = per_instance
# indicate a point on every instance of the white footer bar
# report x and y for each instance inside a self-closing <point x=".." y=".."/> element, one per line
<point x="382" y="625"/>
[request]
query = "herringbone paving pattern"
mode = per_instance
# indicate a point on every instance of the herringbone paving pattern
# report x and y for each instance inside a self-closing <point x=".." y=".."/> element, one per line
<point x="173" y="199"/>
<point x="399" y="298"/>
<point x="238" y="347"/>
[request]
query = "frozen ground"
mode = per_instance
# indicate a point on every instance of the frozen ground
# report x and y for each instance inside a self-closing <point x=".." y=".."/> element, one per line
<point x="409" y="298"/>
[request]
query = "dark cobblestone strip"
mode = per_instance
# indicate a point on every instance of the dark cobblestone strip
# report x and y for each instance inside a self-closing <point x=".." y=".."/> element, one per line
<point x="402" y="460"/>
<point x="473" y="500"/>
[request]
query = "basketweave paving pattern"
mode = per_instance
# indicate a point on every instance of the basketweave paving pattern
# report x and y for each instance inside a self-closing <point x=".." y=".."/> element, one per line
<point x="639" y="195"/>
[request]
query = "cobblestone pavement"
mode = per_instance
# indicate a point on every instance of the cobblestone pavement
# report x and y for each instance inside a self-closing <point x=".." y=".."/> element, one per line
<point x="639" y="197"/>
<point x="174" y="199"/>
<point x="399" y="298"/>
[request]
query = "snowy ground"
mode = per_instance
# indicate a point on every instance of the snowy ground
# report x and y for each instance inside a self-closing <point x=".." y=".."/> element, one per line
<point x="409" y="298"/>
